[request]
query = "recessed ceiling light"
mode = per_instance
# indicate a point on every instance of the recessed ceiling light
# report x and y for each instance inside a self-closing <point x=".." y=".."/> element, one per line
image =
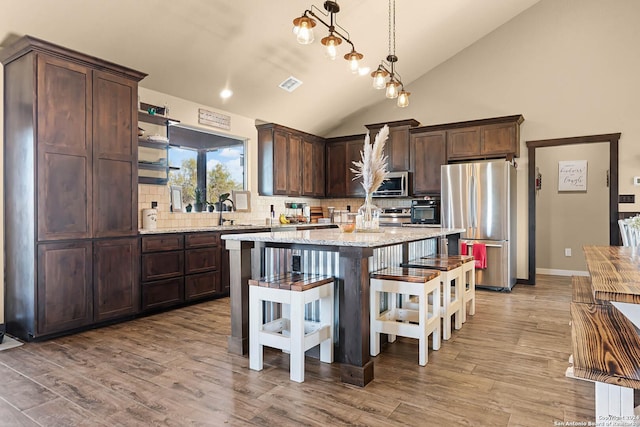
<point x="226" y="93"/>
<point x="290" y="84"/>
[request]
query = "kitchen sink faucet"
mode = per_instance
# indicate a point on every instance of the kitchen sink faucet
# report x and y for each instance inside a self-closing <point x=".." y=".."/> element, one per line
<point x="224" y="198"/>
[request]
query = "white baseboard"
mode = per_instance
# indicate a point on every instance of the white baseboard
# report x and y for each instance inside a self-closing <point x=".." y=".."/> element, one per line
<point x="554" y="272"/>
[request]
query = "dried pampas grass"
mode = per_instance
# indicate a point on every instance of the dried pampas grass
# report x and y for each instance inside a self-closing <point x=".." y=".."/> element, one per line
<point x="372" y="167"/>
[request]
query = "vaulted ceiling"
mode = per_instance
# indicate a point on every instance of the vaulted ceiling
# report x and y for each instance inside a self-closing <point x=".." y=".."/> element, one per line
<point x="193" y="49"/>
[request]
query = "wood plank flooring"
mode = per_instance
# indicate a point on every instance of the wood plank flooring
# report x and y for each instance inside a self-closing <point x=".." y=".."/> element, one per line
<point x="505" y="367"/>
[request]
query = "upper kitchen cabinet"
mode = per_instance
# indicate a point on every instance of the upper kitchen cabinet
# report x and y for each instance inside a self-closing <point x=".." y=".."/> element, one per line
<point x="313" y="168"/>
<point x="341" y="153"/>
<point x="397" y="146"/>
<point x="290" y="162"/>
<point x="480" y="139"/>
<point x="428" y="154"/>
<point x="70" y="155"/>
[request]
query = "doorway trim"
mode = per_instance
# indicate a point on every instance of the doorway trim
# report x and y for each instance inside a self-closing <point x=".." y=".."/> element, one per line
<point x="612" y="139"/>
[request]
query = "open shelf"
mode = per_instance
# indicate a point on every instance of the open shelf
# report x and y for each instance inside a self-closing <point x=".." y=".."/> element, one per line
<point x="154" y="169"/>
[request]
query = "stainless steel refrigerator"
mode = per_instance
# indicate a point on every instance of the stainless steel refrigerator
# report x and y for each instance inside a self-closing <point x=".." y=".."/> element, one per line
<point x="480" y="197"/>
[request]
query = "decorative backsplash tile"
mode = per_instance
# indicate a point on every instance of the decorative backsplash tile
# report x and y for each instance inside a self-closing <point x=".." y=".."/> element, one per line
<point x="260" y="208"/>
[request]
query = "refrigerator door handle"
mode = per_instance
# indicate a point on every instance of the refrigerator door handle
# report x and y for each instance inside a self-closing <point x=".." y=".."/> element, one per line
<point x="473" y="202"/>
<point x="488" y="245"/>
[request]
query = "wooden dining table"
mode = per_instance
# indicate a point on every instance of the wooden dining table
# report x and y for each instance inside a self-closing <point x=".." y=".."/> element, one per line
<point x="615" y="277"/>
<point x="605" y="319"/>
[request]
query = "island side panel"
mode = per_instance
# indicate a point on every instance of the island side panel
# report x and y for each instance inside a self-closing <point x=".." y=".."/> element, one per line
<point x="239" y="275"/>
<point x="356" y="367"/>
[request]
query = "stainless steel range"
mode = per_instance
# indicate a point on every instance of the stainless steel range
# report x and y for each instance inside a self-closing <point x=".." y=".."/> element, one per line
<point x="395" y="217"/>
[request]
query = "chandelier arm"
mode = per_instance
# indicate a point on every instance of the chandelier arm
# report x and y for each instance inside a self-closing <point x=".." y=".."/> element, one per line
<point x="331" y="28"/>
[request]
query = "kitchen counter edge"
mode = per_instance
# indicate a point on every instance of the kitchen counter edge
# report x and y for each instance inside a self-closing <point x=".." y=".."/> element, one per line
<point x="224" y="228"/>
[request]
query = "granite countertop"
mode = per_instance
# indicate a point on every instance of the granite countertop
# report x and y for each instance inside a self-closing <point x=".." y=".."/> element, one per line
<point x="334" y="237"/>
<point x="236" y="227"/>
<point x="423" y="225"/>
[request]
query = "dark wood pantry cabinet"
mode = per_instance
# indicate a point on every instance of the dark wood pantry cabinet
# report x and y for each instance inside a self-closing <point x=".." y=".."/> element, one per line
<point x="70" y="168"/>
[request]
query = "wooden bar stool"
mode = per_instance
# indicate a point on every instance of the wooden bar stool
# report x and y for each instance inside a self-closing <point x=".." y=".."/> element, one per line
<point x="291" y="332"/>
<point x="393" y="320"/>
<point x="452" y="289"/>
<point x="468" y="281"/>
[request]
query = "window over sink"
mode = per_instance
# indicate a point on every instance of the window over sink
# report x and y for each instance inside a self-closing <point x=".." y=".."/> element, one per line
<point x="200" y="159"/>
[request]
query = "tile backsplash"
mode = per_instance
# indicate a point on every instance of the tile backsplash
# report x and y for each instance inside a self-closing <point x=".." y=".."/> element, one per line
<point x="260" y="208"/>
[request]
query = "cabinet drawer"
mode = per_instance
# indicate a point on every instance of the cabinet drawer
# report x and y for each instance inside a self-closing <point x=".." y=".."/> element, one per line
<point x="200" y="260"/>
<point x="162" y="265"/>
<point x="202" y="285"/>
<point x="163" y="293"/>
<point x="165" y="242"/>
<point x="201" y="240"/>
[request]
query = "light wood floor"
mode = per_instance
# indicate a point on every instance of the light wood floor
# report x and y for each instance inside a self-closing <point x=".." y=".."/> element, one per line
<point x="505" y="367"/>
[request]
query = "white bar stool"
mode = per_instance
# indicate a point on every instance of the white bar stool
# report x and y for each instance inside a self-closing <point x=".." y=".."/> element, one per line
<point x="291" y="333"/>
<point x="405" y="322"/>
<point x="468" y="281"/>
<point x="452" y="289"/>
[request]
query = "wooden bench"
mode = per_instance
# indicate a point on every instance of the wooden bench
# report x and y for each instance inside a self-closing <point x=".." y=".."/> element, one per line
<point x="291" y="332"/>
<point x="606" y="350"/>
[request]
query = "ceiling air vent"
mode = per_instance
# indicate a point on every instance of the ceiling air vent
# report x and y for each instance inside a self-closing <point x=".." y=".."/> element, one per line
<point x="290" y="84"/>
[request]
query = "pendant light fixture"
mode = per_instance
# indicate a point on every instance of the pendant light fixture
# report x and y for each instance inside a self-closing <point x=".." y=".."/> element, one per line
<point x="303" y="29"/>
<point x="394" y="87"/>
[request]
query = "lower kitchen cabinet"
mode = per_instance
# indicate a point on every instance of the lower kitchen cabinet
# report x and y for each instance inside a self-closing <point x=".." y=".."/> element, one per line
<point x="162" y="265"/>
<point x="179" y="268"/>
<point x="64" y="299"/>
<point x="162" y="293"/>
<point x="202" y="265"/>
<point x="84" y="282"/>
<point x="202" y="285"/>
<point x="115" y="282"/>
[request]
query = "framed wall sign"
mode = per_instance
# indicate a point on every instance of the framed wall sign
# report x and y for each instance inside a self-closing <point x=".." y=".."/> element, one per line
<point x="176" y="199"/>
<point x="212" y="118"/>
<point x="242" y="200"/>
<point x="572" y="175"/>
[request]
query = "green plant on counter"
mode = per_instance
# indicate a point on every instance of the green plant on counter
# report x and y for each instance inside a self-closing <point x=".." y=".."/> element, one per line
<point x="199" y="200"/>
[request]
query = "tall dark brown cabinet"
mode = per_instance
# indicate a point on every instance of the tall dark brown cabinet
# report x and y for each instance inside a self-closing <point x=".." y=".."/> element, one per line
<point x="70" y="173"/>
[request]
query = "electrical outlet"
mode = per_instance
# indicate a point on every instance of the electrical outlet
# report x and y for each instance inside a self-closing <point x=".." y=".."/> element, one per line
<point x="295" y="261"/>
<point x="626" y="198"/>
<point x="567" y="251"/>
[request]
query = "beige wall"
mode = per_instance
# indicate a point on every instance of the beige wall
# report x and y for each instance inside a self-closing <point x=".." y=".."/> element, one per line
<point x="571" y="219"/>
<point x="570" y="67"/>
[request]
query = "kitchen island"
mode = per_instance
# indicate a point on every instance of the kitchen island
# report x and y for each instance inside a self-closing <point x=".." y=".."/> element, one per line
<point x="348" y="257"/>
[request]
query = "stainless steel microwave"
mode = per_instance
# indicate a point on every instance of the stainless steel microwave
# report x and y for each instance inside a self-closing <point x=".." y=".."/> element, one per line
<point x="396" y="185"/>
